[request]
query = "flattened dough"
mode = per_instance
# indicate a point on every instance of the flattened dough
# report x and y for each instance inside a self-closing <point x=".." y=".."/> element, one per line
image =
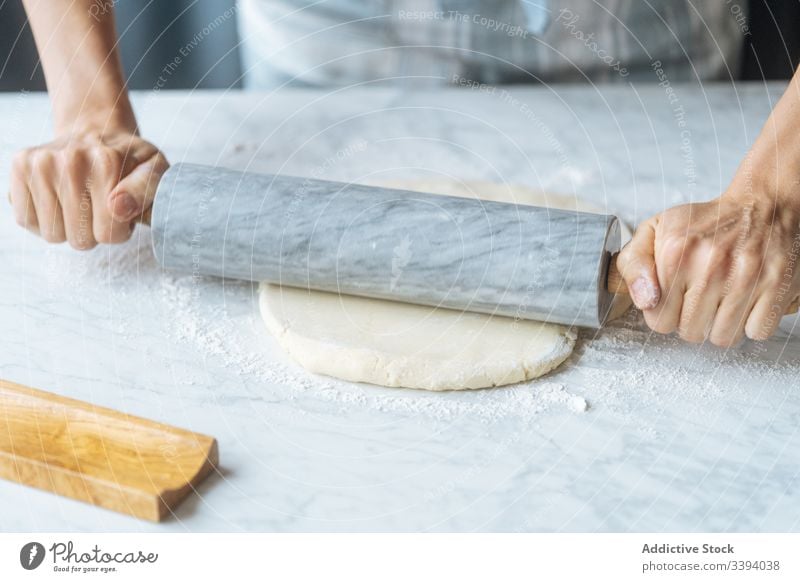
<point x="412" y="346"/>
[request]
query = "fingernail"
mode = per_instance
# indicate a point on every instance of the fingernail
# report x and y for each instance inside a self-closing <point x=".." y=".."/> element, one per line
<point x="124" y="206"/>
<point x="644" y="294"/>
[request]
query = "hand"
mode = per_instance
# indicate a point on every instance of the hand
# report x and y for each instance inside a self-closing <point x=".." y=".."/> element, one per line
<point x="716" y="270"/>
<point x="86" y="187"/>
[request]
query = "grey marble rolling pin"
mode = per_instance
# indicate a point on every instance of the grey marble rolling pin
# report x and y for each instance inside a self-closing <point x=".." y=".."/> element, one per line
<point x="467" y="254"/>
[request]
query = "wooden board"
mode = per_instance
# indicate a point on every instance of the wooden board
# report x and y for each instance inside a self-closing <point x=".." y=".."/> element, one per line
<point x="97" y="455"/>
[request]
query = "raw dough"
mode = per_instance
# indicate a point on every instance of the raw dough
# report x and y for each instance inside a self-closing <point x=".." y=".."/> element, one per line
<point x="397" y="344"/>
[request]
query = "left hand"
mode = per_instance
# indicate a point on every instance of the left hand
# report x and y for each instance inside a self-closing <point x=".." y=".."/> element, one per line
<point x="717" y="270"/>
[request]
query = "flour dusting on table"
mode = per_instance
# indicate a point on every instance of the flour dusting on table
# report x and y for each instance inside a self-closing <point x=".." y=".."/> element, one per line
<point x="624" y="370"/>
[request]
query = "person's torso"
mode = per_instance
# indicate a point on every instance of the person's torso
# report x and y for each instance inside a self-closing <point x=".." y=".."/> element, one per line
<point x="431" y="42"/>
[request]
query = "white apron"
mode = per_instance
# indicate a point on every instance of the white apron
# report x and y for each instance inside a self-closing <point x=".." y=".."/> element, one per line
<point x="434" y="42"/>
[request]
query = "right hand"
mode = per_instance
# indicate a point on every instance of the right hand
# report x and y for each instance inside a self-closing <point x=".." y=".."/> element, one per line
<point x="87" y="187"/>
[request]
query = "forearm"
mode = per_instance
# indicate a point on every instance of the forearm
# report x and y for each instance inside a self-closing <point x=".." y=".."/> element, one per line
<point x="77" y="47"/>
<point x="772" y="167"/>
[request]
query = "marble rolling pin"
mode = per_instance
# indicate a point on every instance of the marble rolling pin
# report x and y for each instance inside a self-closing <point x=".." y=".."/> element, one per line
<point x="460" y="253"/>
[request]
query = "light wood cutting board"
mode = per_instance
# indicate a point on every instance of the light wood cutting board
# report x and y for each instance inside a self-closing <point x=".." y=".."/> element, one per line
<point x="98" y="455"/>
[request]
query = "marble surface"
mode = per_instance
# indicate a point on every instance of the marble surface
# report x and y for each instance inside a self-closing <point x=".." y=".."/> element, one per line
<point x="676" y="437"/>
<point x="383" y="243"/>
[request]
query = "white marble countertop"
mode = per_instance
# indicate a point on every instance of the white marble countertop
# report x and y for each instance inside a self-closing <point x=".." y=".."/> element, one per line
<point x="677" y="438"/>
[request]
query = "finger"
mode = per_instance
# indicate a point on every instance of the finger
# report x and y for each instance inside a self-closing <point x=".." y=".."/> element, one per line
<point x="763" y="320"/>
<point x="739" y="295"/>
<point x="20" y="197"/>
<point x="76" y="205"/>
<point x="698" y="310"/>
<point x="672" y="252"/>
<point x="45" y="200"/>
<point x="728" y="327"/>
<point x="665" y="317"/>
<point x="104" y="228"/>
<point x="135" y="192"/>
<point x="636" y="264"/>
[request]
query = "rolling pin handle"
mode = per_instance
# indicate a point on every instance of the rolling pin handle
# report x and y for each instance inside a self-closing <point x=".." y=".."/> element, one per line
<point x="144" y="217"/>
<point x="614" y="282"/>
<point x="794" y="306"/>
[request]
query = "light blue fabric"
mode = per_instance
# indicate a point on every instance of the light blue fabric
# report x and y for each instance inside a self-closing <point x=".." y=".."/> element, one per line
<point x="538" y="15"/>
<point x="435" y="42"/>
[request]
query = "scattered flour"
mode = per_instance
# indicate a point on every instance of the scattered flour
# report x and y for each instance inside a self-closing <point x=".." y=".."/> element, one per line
<point x="237" y="341"/>
<point x="557" y="393"/>
<point x="624" y="370"/>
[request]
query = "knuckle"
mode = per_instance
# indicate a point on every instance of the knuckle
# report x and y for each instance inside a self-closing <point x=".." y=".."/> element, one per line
<point x="759" y="335"/>
<point x="160" y="163"/>
<point x="104" y="235"/>
<point x="688" y="328"/>
<point x="24" y="217"/>
<point x="713" y="258"/>
<point x="21" y="219"/>
<point x="42" y="159"/>
<point x="659" y="324"/>
<point x="20" y="161"/>
<point x="675" y="247"/>
<point x="721" y="259"/>
<point x="662" y="328"/>
<point x="82" y="243"/>
<point x="673" y="251"/>
<point x="71" y="156"/>
<point x="53" y="236"/>
<point x="106" y="161"/>
<point x="690" y="335"/>
<point x="704" y="251"/>
<point x="761" y="330"/>
<point x="670" y="286"/>
<point x="747" y="264"/>
<point x="112" y="232"/>
<point x="777" y="271"/>
<point x="724" y="341"/>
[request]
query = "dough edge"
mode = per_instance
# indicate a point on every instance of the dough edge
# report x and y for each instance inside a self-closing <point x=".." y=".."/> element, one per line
<point x="377" y="367"/>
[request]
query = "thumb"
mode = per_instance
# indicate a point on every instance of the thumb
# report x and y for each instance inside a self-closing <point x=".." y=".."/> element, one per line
<point x="135" y="192"/>
<point x="636" y="264"/>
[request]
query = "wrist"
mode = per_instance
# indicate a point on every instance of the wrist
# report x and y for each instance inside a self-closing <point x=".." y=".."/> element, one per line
<point x="104" y="107"/>
<point x="103" y="119"/>
<point x="772" y="166"/>
<point x="769" y="172"/>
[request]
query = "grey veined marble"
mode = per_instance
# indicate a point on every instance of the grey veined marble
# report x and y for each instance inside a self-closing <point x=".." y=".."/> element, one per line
<point x="514" y="260"/>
